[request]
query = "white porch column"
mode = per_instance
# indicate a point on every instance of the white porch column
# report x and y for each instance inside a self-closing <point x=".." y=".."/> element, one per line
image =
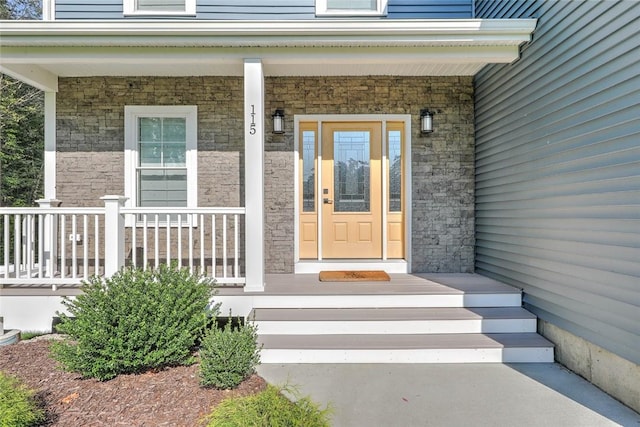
<point x="50" y="145"/>
<point x="254" y="174"/>
<point x="113" y="234"/>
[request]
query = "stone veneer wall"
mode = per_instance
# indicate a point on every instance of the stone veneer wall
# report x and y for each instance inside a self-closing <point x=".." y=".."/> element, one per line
<point x="442" y="163"/>
<point x="90" y="141"/>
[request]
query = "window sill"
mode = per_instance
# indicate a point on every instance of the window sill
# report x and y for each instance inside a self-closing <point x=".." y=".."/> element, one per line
<point x="159" y="14"/>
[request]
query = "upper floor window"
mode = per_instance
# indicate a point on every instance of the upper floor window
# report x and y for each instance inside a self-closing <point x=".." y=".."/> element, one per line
<point x="159" y="7"/>
<point x="351" y="7"/>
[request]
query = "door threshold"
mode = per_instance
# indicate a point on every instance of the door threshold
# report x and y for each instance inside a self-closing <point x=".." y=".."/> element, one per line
<point x="395" y="266"/>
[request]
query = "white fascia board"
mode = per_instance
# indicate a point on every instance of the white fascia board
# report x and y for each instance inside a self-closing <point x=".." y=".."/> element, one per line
<point x="362" y="33"/>
<point x="32" y="75"/>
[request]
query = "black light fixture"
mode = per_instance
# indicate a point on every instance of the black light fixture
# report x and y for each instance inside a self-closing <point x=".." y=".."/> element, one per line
<point x="278" y="121"/>
<point x="426" y="121"/>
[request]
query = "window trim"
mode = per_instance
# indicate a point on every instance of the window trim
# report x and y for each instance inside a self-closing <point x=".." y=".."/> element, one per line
<point x="129" y="9"/>
<point x="323" y="10"/>
<point x="132" y="155"/>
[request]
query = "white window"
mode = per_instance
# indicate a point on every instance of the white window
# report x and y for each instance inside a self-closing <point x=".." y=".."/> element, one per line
<point x="351" y="7"/>
<point x="159" y="7"/>
<point x="161" y="156"/>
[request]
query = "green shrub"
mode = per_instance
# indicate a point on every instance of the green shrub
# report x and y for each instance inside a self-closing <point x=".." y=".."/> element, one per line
<point x="269" y="408"/>
<point x="27" y="335"/>
<point x="228" y="355"/>
<point x="134" y="321"/>
<point x="17" y="404"/>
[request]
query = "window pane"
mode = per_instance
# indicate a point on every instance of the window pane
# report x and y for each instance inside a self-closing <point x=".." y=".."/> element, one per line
<point x="161" y="5"/>
<point x="150" y="129"/>
<point x="174" y="154"/>
<point x="308" y="171"/>
<point x="351" y="173"/>
<point x="395" y="171"/>
<point x="163" y="141"/>
<point x="150" y="153"/>
<point x="162" y="188"/>
<point x="174" y="129"/>
<point x="352" y="4"/>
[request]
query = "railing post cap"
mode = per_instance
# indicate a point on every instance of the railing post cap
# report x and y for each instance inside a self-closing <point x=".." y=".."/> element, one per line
<point x="49" y="202"/>
<point x="112" y="197"/>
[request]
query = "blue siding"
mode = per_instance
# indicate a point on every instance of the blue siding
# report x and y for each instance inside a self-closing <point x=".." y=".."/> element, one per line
<point x="89" y="9"/>
<point x="275" y="9"/>
<point x="558" y="168"/>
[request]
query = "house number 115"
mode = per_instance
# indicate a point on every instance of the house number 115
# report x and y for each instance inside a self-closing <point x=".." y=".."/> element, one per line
<point x="252" y="125"/>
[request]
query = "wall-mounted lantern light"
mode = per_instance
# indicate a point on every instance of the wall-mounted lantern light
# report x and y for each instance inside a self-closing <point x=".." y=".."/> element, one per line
<point x="278" y="121"/>
<point x="426" y="121"/>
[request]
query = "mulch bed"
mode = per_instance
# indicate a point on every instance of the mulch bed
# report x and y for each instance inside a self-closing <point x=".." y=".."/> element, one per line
<point x="171" y="397"/>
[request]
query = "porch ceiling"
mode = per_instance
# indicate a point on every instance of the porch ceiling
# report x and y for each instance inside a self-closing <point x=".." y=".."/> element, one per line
<point x="38" y="52"/>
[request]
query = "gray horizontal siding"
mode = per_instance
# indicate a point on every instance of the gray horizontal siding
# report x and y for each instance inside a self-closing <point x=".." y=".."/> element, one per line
<point x="275" y="9"/>
<point x="558" y="168"/>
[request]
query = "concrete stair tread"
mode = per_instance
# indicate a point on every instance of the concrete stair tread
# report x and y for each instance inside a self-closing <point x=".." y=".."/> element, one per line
<point x="388" y="314"/>
<point x="404" y="342"/>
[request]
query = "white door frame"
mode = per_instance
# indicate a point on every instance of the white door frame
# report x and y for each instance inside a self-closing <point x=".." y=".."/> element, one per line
<point x="391" y="266"/>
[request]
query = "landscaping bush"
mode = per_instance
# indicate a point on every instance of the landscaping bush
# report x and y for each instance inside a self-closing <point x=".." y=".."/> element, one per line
<point x="269" y="408"/>
<point x="134" y="321"/>
<point x="228" y="355"/>
<point x="17" y="404"/>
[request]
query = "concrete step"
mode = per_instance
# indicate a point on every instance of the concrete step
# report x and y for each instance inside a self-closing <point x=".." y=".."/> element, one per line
<point x="312" y="321"/>
<point x="406" y="348"/>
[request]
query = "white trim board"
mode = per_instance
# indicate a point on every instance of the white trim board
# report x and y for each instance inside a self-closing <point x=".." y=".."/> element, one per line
<point x="313" y="267"/>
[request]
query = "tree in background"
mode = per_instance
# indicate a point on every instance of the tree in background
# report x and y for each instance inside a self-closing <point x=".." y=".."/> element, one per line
<point x="21" y="126"/>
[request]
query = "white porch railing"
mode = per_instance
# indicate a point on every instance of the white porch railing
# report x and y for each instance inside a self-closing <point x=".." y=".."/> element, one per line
<point x="63" y="246"/>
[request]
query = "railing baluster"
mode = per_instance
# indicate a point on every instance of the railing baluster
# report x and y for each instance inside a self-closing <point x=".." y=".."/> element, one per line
<point x="85" y="243"/>
<point x="41" y="246"/>
<point x="224" y="246"/>
<point x="145" y="241"/>
<point x="202" y="268"/>
<point x="190" y="224"/>
<point x="17" y="244"/>
<point x="74" y="246"/>
<point x="179" y="240"/>
<point x="97" y="246"/>
<point x="214" y="251"/>
<point x="168" y="228"/>
<point x="28" y="242"/>
<point x="52" y="223"/>
<point x="134" y="243"/>
<point x="235" y="245"/>
<point x="7" y="240"/>
<point x="63" y="246"/>
<point x="157" y="241"/>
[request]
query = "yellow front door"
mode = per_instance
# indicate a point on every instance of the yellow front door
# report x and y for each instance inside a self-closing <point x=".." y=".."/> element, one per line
<point x="351" y="201"/>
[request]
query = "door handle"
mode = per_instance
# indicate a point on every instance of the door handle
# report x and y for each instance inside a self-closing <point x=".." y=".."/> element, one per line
<point x="327" y="201"/>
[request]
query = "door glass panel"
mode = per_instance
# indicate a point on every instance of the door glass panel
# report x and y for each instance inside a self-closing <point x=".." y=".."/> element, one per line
<point x="395" y="171"/>
<point x="308" y="171"/>
<point x="351" y="155"/>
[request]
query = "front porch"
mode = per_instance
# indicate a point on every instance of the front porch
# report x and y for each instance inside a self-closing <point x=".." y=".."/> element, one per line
<point x="414" y="318"/>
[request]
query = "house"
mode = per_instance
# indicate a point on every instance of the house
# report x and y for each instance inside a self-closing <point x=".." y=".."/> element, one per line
<point x="248" y="138"/>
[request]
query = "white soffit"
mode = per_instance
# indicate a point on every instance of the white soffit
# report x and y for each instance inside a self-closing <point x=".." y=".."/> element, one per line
<point x="317" y="47"/>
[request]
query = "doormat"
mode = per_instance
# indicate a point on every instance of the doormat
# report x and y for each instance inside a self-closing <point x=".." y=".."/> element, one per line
<point x="354" y="276"/>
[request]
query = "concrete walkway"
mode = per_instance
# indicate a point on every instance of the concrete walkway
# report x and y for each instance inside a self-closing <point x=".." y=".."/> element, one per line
<point x="476" y="395"/>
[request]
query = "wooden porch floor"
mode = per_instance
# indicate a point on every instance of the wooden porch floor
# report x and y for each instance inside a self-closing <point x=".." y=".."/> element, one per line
<point x="400" y="284"/>
<point x="309" y="284"/>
